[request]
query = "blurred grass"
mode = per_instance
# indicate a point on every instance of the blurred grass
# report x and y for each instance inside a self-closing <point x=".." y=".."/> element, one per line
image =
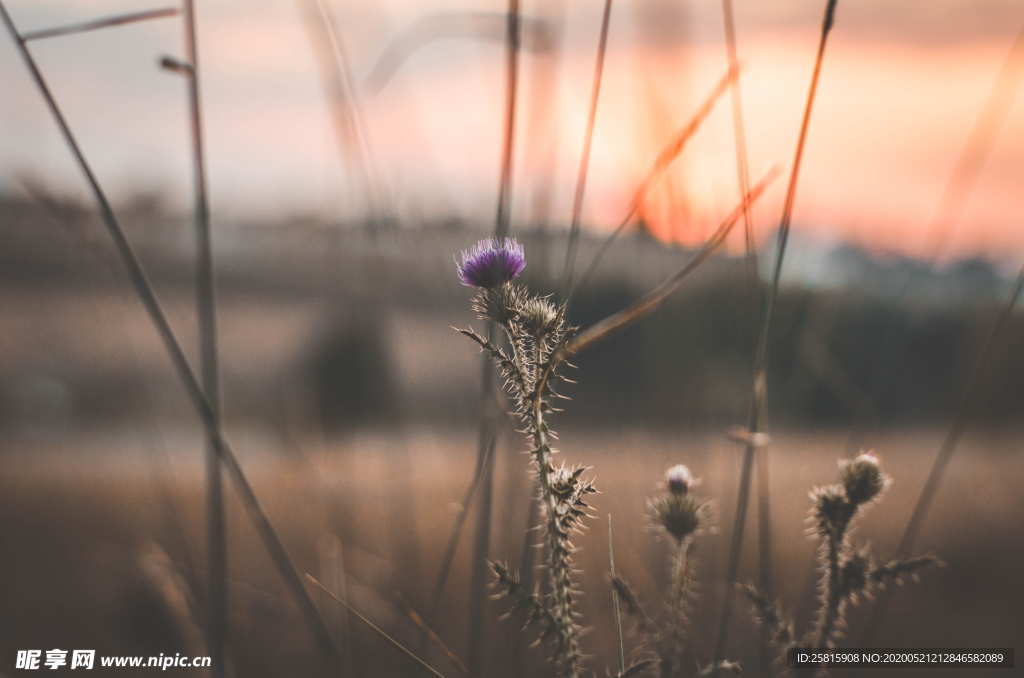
<point x="78" y="528"/>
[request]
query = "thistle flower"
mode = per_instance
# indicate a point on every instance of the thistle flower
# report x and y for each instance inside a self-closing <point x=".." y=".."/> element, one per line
<point x="535" y="329"/>
<point x="679" y="480"/>
<point x="491" y="263"/>
<point x="862" y="478"/>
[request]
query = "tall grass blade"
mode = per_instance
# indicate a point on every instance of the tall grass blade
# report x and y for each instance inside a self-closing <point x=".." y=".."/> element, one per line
<point x="488" y="424"/>
<point x="653" y="299"/>
<point x="588" y="138"/>
<point x="945" y="454"/>
<point x="739" y="133"/>
<point x="97" y="24"/>
<point x="760" y="378"/>
<point x="537" y="36"/>
<point x="193" y="390"/>
<point x="378" y="630"/>
<point x="665" y="157"/>
<point x="616" y="610"/>
<point x="764" y="535"/>
<point x="216" y="540"/>
<point x="438" y="642"/>
<point x="977" y="147"/>
<point x="346" y="113"/>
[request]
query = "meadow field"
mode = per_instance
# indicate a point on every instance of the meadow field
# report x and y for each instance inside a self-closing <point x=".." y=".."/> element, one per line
<point x="347" y="338"/>
<point x="356" y="423"/>
<point x="99" y="552"/>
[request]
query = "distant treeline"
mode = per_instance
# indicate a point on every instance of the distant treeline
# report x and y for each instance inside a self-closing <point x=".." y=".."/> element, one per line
<point x="895" y="349"/>
<point x="836" y="358"/>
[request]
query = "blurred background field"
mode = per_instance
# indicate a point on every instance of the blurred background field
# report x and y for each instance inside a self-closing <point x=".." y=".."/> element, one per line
<point x="354" y="407"/>
<point x="353" y="149"/>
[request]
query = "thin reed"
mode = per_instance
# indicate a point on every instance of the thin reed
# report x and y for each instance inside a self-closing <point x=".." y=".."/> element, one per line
<point x="760" y="381"/>
<point x="206" y="310"/>
<point x="193" y="390"/>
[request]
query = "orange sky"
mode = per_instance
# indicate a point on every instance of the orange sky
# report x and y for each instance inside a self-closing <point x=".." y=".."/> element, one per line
<point x="893" y="113"/>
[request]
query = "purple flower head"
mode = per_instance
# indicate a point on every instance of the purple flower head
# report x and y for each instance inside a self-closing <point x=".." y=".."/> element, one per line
<point x="491" y="263"/>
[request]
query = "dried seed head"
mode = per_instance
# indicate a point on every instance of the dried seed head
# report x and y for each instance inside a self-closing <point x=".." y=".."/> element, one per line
<point x="539" y="316"/>
<point x="491" y="263"/>
<point x="679" y="480"/>
<point x="862" y="478"/>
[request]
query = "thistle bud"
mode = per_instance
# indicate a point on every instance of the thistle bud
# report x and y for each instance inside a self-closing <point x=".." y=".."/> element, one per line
<point x="500" y="304"/>
<point x="862" y="478"/>
<point x="832" y="511"/>
<point x="679" y="480"/>
<point x="539" y="316"/>
<point x="680" y="515"/>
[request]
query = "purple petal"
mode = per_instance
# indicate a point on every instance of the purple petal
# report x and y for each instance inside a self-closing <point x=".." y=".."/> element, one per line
<point x="491" y="263"/>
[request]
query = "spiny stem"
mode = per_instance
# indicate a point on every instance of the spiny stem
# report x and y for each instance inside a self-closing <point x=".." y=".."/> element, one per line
<point x="831" y="597"/>
<point x="559" y="555"/>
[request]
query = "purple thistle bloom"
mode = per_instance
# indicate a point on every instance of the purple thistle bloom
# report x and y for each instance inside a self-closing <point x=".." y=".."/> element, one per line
<point x="491" y="263"/>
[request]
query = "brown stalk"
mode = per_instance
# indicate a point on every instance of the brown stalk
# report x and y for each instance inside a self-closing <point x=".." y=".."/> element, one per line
<point x="760" y="385"/>
<point x="194" y="392"/>
<point x="653" y="299"/>
<point x="665" y="158"/>
<point x="96" y="24"/>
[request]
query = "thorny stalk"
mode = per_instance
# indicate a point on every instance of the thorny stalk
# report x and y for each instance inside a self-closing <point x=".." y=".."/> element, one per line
<point x="539" y="342"/>
<point x="847" y="573"/>
<point x="534" y="331"/>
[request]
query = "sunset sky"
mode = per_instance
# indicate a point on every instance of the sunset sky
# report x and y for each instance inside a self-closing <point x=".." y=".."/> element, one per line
<point x="901" y="88"/>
